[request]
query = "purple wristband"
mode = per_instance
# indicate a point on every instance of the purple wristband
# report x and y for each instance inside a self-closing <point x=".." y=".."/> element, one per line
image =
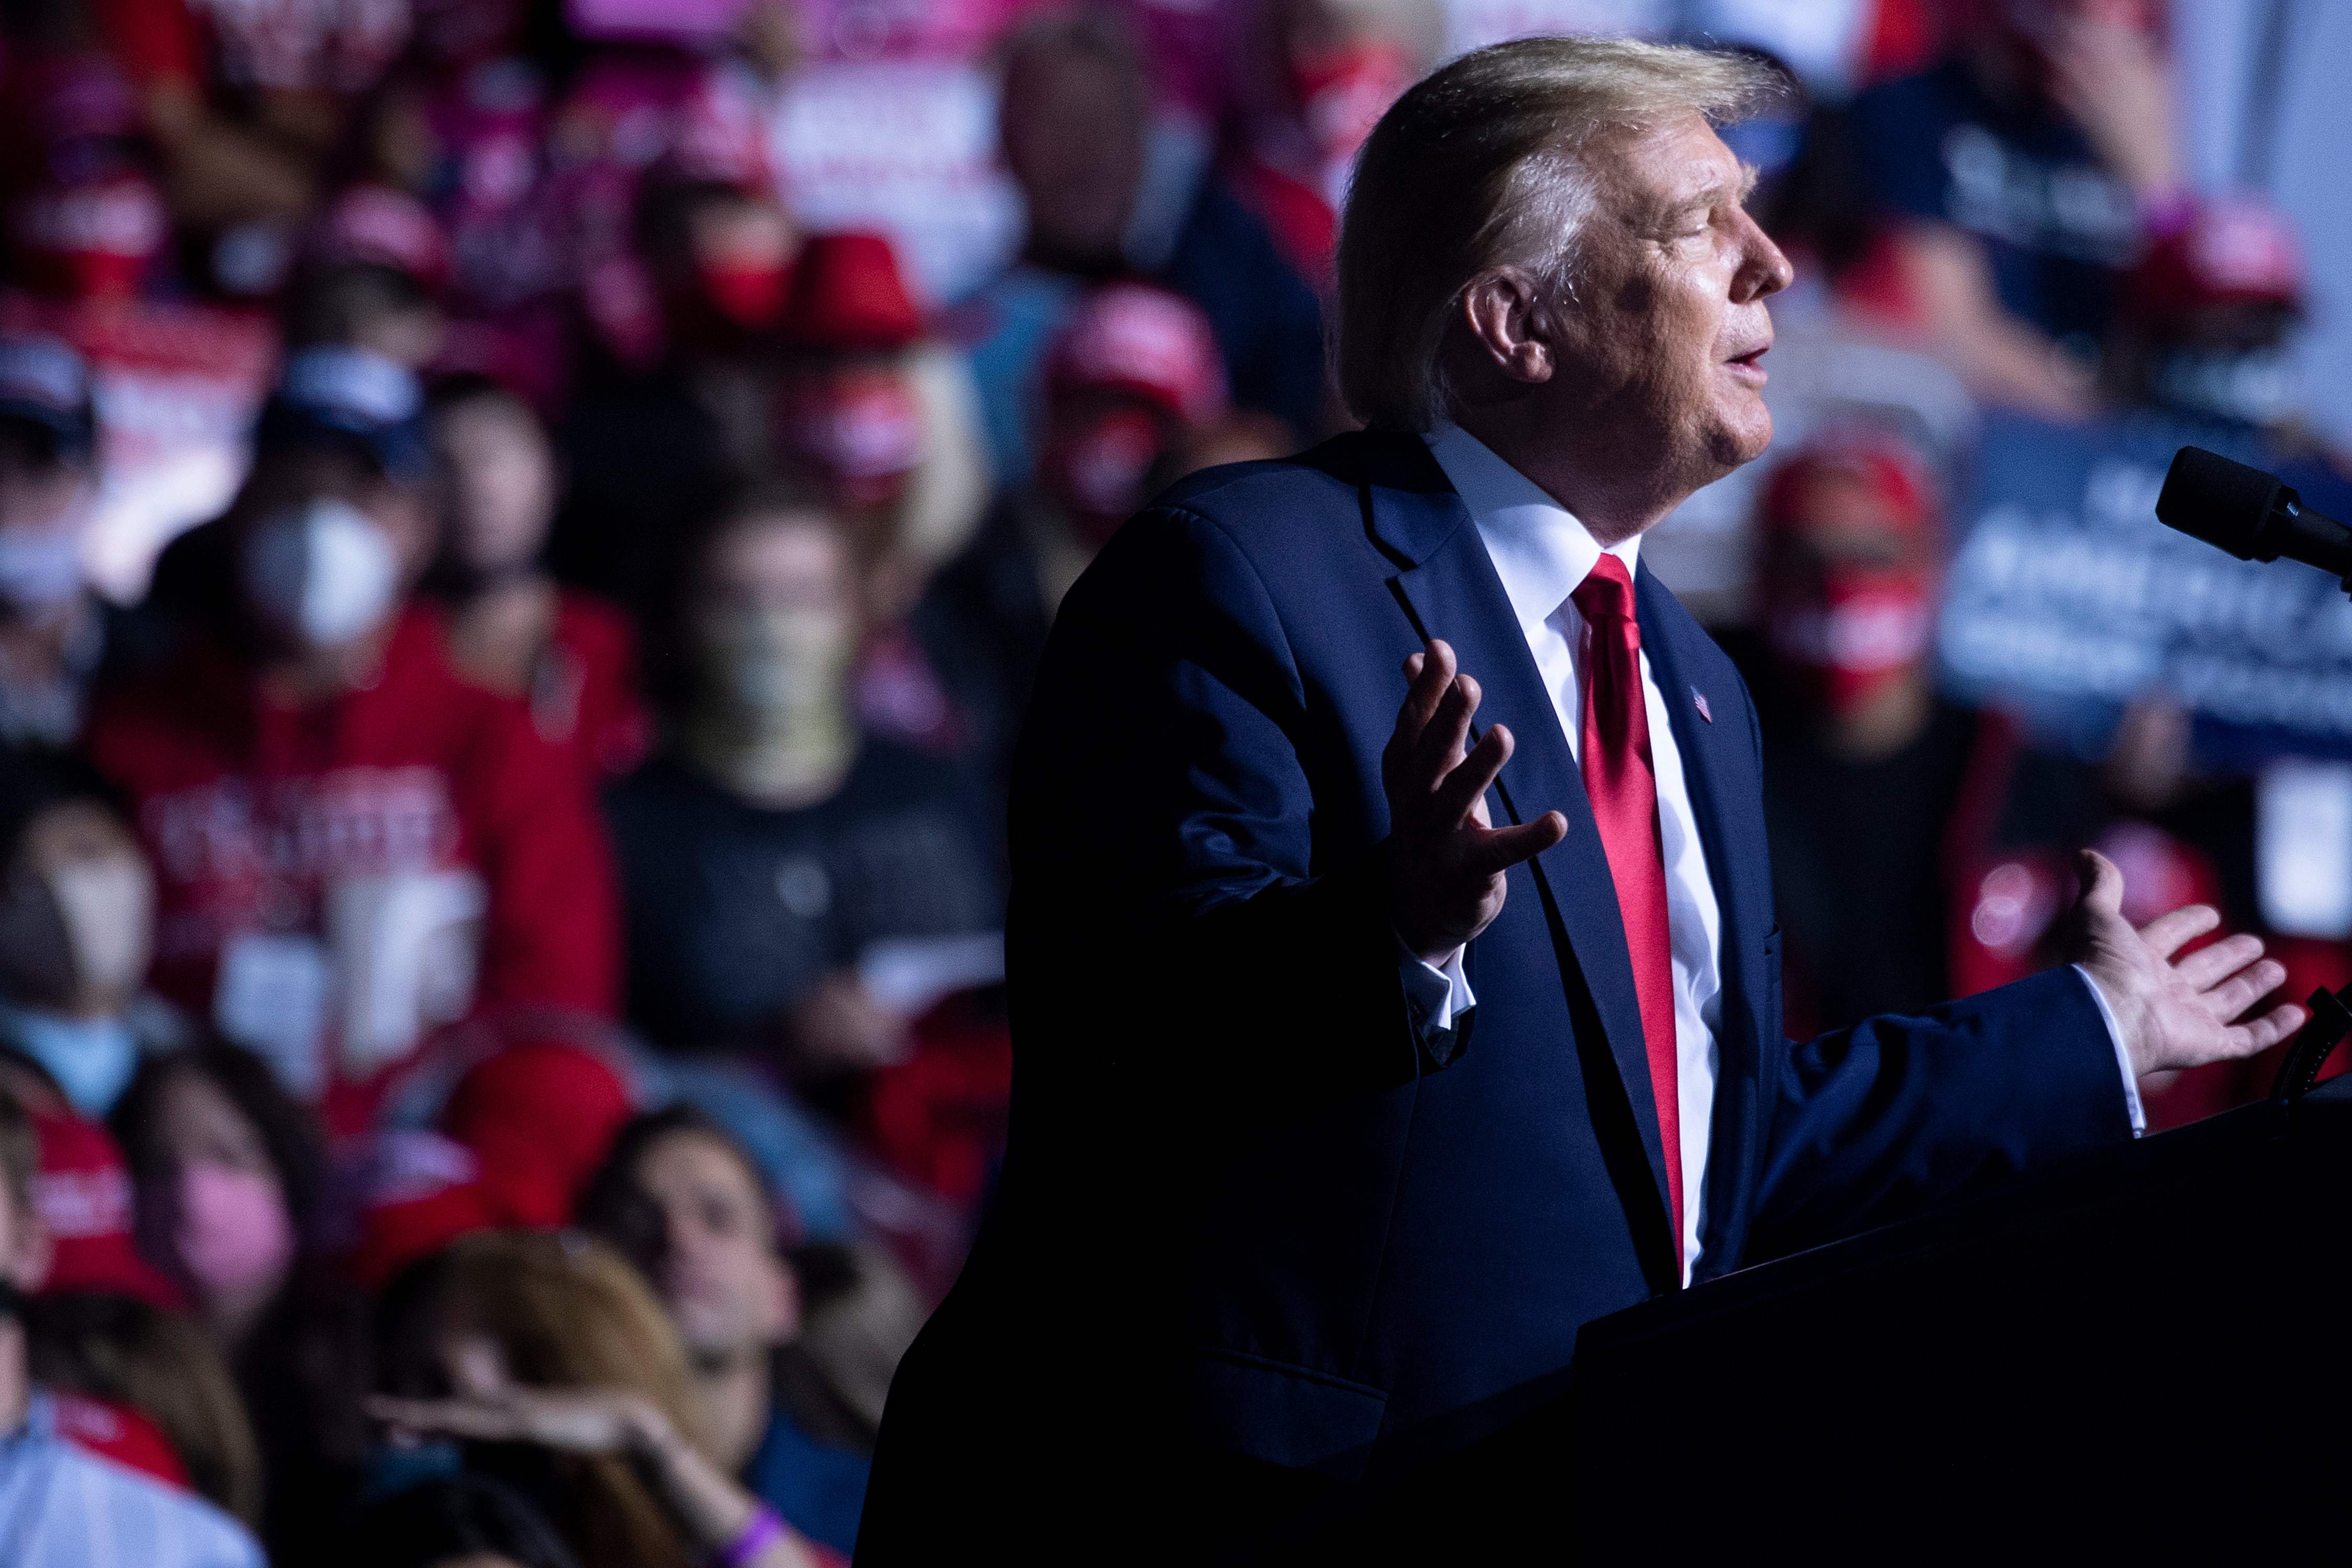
<point x="763" y="1528"/>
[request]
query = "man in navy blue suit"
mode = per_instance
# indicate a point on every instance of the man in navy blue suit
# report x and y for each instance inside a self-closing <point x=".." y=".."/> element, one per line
<point x="1395" y="978"/>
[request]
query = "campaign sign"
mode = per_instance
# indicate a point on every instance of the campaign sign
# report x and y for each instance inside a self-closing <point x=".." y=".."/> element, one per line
<point x="176" y="388"/>
<point x="2067" y="599"/>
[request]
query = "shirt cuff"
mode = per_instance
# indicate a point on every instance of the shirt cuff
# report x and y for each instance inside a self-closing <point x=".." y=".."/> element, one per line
<point x="2123" y="1058"/>
<point x="1440" y="996"/>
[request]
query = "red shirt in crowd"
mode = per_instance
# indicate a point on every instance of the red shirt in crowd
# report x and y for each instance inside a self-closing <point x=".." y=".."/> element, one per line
<point x="258" y="816"/>
<point x="585" y="698"/>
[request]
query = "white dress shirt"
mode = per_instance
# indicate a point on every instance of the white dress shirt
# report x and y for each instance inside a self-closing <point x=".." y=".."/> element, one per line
<point x="1542" y="553"/>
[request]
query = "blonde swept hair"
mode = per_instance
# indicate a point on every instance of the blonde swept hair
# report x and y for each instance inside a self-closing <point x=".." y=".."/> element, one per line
<point x="1480" y="165"/>
<point x="569" y="1311"/>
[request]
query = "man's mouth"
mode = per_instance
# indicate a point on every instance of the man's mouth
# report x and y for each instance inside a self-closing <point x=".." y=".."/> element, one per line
<point x="1750" y="366"/>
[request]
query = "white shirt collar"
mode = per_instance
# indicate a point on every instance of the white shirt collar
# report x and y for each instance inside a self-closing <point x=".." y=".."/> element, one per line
<point x="1540" y="550"/>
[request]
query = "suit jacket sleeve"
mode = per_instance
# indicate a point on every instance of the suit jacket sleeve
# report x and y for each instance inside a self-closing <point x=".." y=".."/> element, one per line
<point x="1166" y="757"/>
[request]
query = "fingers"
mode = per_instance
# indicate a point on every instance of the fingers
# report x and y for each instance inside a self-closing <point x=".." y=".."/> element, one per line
<point x="1506" y="848"/>
<point x="456" y="1417"/>
<point x="2102" y="885"/>
<point x="1439" y="749"/>
<point x="2270" y="1028"/>
<point x="2168" y="934"/>
<point x="2234" y="995"/>
<point x="1470" y="780"/>
<point x="2208" y="966"/>
<point x="1430" y="672"/>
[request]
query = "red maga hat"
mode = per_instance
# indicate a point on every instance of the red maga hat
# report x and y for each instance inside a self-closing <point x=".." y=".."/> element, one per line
<point x="847" y="292"/>
<point x="82" y="1191"/>
<point x="1132" y="337"/>
<point x="1883" y="464"/>
<point x="383" y="227"/>
<point x="2237" y="250"/>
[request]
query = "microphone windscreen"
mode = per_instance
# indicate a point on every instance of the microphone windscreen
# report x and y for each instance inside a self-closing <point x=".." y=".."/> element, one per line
<point x="2226" y="504"/>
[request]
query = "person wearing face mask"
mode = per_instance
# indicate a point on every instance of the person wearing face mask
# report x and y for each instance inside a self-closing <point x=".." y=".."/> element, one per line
<point x="671" y="426"/>
<point x="51" y="630"/>
<point x="1129" y="382"/>
<point x="880" y="414"/>
<point x="354" y="843"/>
<point x="62" y="1505"/>
<point x="1863" y="761"/>
<point x="77" y="928"/>
<point x="680" y="1198"/>
<point x="569" y="656"/>
<point x="1338" y="64"/>
<point x="229" y="1178"/>
<point x="770" y="844"/>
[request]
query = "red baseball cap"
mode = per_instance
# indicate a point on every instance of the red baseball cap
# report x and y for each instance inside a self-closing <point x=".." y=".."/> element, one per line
<point x="537" y="1117"/>
<point x="1132" y="337"/>
<point x="1883" y="464"/>
<point x="417" y="1192"/>
<point x="848" y="293"/>
<point x="383" y="227"/>
<point x="2236" y="250"/>
<point x="82" y="1191"/>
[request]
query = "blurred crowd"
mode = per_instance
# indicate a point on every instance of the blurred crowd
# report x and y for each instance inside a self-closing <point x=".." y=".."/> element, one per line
<point x="525" y="530"/>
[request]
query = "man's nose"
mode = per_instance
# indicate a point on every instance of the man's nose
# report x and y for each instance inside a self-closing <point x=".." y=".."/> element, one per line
<point x="1762" y="268"/>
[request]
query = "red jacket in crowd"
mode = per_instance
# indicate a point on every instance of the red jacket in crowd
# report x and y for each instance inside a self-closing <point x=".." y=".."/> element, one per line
<point x="253" y="812"/>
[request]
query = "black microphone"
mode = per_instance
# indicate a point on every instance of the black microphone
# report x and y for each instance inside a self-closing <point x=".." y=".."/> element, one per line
<point x="2248" y="513"/>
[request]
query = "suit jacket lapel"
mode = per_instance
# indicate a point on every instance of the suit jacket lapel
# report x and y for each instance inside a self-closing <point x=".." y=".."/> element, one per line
<point x="1449" y="588"/>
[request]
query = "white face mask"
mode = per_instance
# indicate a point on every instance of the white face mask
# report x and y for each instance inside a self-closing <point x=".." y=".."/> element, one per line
<point x="323" y="572"/>
<point x="41" y="567"/>
<point x="109" y="909"/>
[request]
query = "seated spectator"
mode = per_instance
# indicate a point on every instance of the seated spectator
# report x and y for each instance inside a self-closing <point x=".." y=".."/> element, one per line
<point x="60" y="1505"/>
<point x="1131" y="378"/>
<point x="136" y="1356"/>
<point x="369" y="277"/>
<point x="51" y="633"/>
<point x="2207" y="327"/>
<point x="247" y="105"/>
<point x="230" y="1176"/>
<point x="1076" y="110"/>
<point x="462" y="1522"/>
<point x="881" y="414"/>
<point x="571" y="658"/>
<point x="77" y="928"/>
<point x="2022" y="173"/>
<point x="553" y="1366"/>
<point x="354" y="843"/>
<point x="650" y="443"/>
<point x="1338" y="66"/>
<point x="679" y="1197"/>
<point x="1864" y="764"/>
<point x="771" y="845"/>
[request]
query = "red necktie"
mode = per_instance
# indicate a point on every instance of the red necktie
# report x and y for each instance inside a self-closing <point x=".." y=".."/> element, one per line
<point x="1621" y="783"/>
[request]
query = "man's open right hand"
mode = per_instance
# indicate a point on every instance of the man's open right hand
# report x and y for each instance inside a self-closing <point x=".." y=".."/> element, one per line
<point x="1447" y="858"/>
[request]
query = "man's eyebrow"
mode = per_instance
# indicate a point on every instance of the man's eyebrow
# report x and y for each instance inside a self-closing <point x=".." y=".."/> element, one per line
<point x="1707" y="196"/>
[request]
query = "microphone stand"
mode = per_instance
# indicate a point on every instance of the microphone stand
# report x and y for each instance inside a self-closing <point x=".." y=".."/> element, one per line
<point x="2331" y="1020"/>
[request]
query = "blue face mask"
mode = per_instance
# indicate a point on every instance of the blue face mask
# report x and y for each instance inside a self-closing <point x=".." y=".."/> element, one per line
<point x="91" y="1058"/>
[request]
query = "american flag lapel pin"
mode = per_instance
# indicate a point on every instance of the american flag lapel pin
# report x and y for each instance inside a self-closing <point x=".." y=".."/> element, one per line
<point x="1699" y="697"/>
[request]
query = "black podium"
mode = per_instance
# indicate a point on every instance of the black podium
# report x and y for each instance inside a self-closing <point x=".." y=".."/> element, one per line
<point x="2144" y="1351"/>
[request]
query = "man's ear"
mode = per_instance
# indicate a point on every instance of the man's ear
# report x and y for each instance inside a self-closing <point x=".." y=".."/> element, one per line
<point x="1510" y="324"/>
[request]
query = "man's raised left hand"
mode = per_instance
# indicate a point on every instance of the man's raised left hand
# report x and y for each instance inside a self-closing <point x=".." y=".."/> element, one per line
<point x="2174" y="1012"/>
